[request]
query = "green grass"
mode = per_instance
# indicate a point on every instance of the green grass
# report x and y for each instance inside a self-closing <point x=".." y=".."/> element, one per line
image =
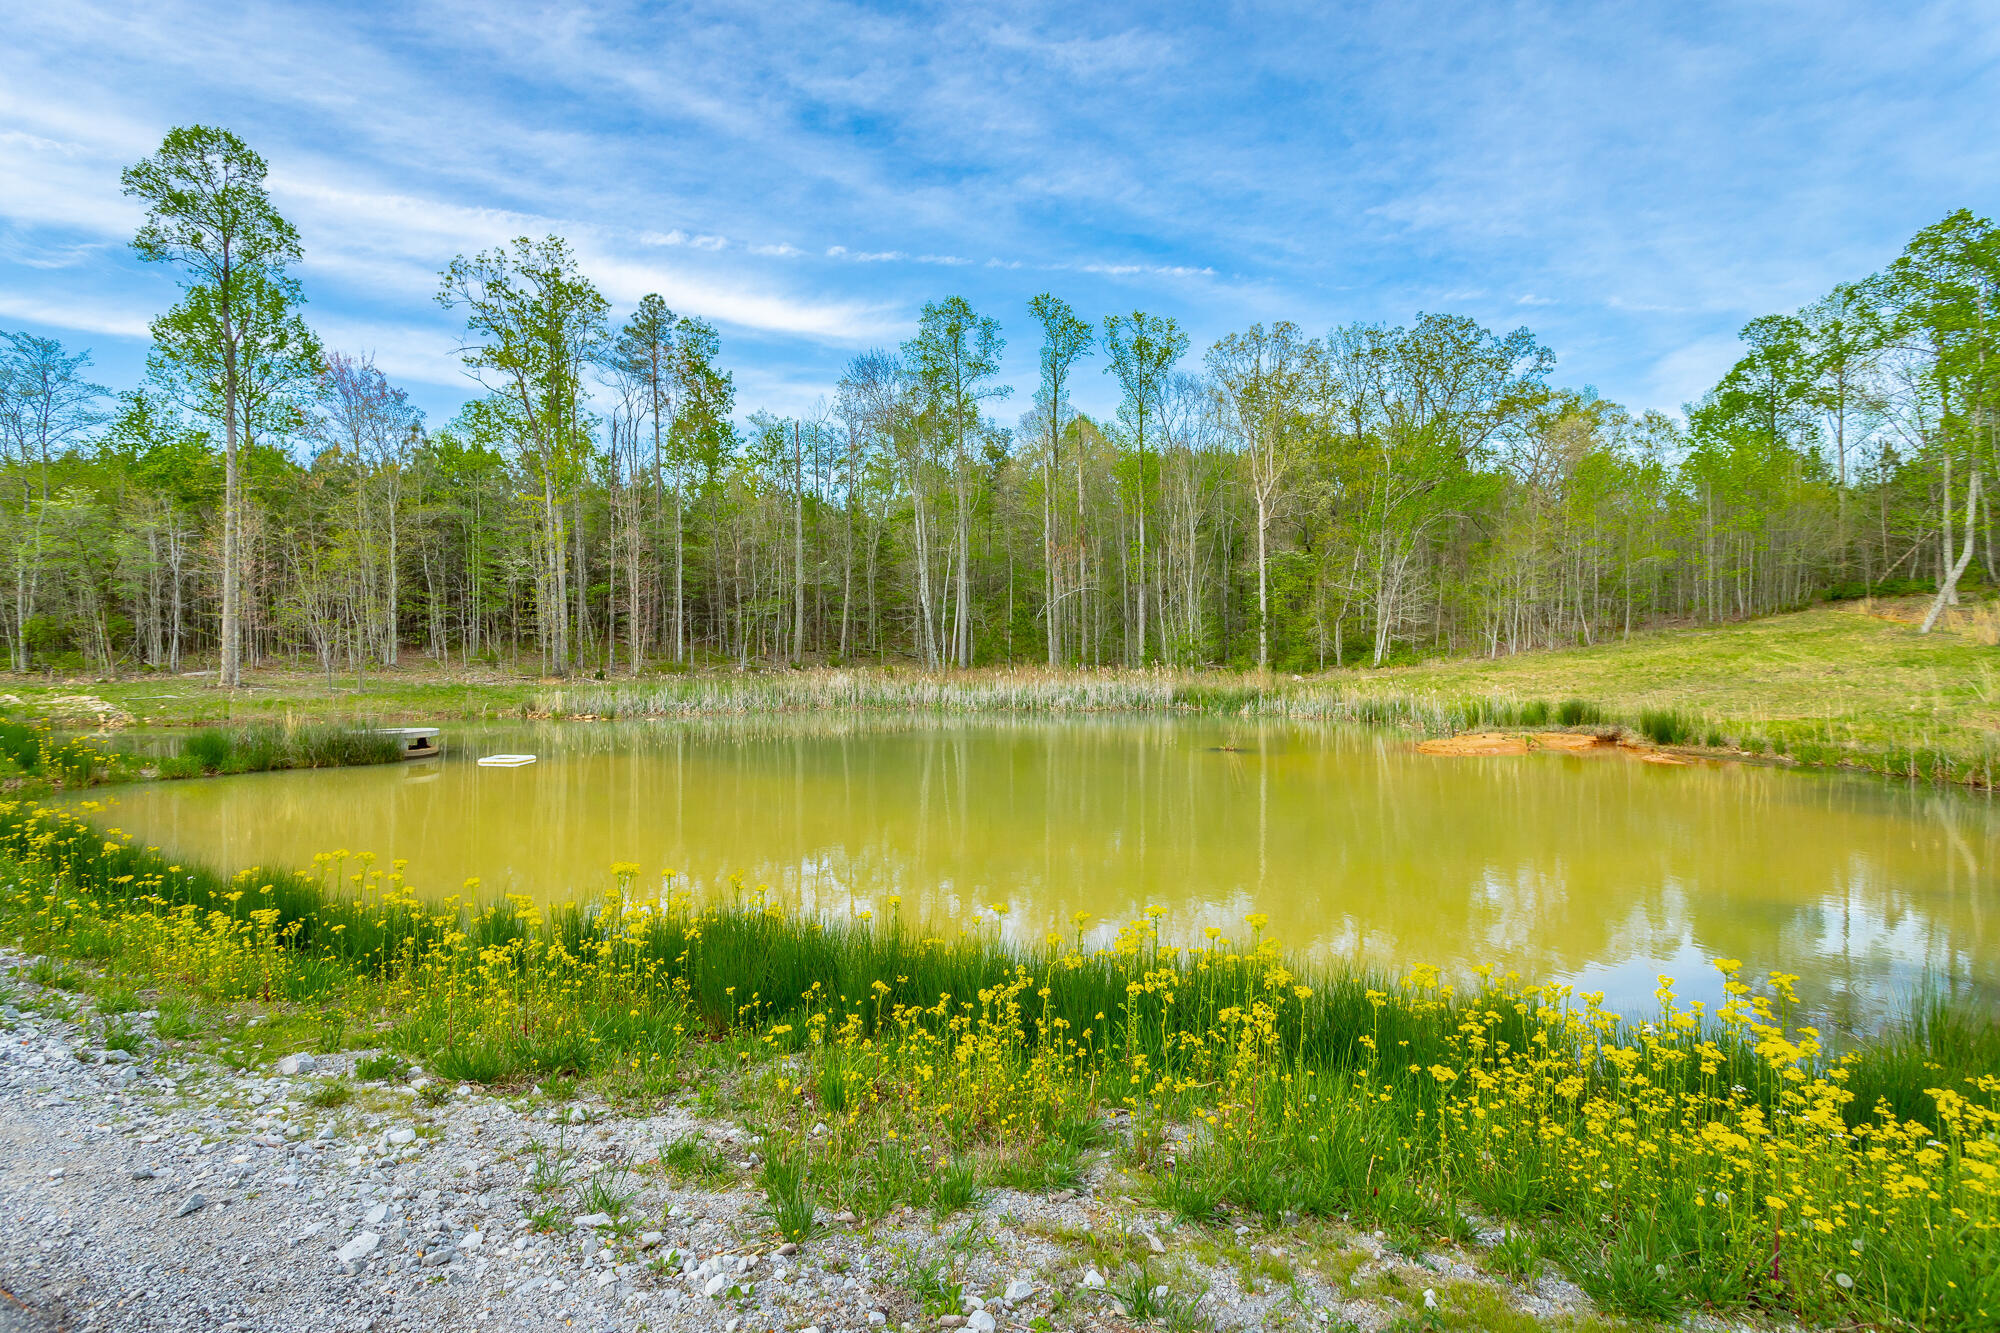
<point x="1831" y="685"/>
<point x="608" y="1190"/>
<point x="264" y="748"/>
<point x="693" y="1158"/>
<point x="551" y="1166"/>
<point x="176" y="1021"/>
<point x="118" y="1037"/>
<point x="1667" y="726"/>
<point x="374" y="1068"/>
<point x="38" y="754"/>
<point x="789" y="1195"/>
<point x="331" y="1095"/>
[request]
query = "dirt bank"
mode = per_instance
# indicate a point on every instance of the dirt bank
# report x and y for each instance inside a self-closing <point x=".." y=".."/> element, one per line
<point x="1488" y="744"/>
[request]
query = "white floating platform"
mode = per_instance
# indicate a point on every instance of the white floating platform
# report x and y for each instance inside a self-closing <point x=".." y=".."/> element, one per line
<point x="506" y="760"/>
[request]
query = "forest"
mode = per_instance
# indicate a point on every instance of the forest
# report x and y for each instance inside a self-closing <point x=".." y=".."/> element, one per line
<point x="1285" y="499"/>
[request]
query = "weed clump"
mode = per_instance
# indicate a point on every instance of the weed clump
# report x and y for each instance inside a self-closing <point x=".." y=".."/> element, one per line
<point x="1579" y="713"/>
<point x="1666" y="726"/>
<point x="262" y="749"/>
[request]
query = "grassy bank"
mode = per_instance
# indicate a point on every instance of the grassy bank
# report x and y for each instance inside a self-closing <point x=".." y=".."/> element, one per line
<point x="267" y="748"/>
<point x="1851" y="685"/>
<point x="1693" y="1160"/>
<point x="35" y="756"/>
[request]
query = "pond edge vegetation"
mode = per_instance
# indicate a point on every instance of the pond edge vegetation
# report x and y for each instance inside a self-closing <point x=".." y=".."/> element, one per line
<point x="1726" y="1161"/>
<point x="32" y="753"/>
<point x="1963" y="761"/>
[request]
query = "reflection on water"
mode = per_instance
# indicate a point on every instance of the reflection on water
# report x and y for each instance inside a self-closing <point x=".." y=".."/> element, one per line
<point x="1592" y="869"/>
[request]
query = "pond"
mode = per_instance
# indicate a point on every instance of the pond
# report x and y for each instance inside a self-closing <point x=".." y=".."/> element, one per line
<point x="1591" y="869"/>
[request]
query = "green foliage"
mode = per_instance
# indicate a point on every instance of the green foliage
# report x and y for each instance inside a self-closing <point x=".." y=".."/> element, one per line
<point x="48" y="972"/>
<point x="1578" y="713"/>
<point x="479" y="1059"/>
<point x="550" y="1166"/>
<point x="1939" y="1036"/>
<point x="118" y="999"/>
<point x="954" y="1187"/>
<point x="933" y="1282"/>
<point x="1191" y="1191"/>
<point x="332" y="1034"/>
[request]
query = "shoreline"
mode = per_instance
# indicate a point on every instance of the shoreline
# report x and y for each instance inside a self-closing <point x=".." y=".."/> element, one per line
<point x="1220" y="1088"/>
<point x="1836" y="687"/>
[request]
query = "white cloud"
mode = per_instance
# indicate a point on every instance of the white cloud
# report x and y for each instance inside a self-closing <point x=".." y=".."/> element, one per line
<point x="845" y="322"/>
<point x="1150" y="270"/>
<point x="83" y="316"/>
<point x="1687" y="372"/>
<point x="406" y="353"/>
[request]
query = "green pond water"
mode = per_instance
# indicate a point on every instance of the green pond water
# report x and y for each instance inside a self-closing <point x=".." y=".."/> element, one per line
<point x="1592" y="869"/>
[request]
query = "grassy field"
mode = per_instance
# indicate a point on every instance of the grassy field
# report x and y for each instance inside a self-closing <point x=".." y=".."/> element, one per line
<point x="1849" y="684"/>
<point x="1862" y="674"/>
<point x="1721" y="1161"/>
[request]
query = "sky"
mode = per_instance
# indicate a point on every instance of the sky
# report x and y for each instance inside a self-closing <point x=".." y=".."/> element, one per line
<point x="1633" y="182"/>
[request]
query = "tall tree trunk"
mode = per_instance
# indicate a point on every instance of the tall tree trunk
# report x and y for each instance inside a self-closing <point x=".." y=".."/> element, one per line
<point x="1263" y="584"/>
<point x="1145" y="573"/>
<point x="231" y="673"/>
<point x="798" y="550"/>
<point x="391" y="638"/>
<point x="1947" y="593"/>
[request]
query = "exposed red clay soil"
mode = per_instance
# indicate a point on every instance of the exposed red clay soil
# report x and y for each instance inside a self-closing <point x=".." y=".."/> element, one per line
<point x="1487" y="744"/>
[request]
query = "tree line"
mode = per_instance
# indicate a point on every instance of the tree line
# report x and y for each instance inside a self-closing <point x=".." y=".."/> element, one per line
<point x="1279" y="499"/>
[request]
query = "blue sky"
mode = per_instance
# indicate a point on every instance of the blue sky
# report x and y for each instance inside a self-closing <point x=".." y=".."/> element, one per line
<point x="1632" y="181"/>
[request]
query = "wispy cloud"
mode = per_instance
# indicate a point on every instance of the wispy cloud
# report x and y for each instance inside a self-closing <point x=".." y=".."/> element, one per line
<point x="85" y="316"/>
<point x="1637" y="183"/>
